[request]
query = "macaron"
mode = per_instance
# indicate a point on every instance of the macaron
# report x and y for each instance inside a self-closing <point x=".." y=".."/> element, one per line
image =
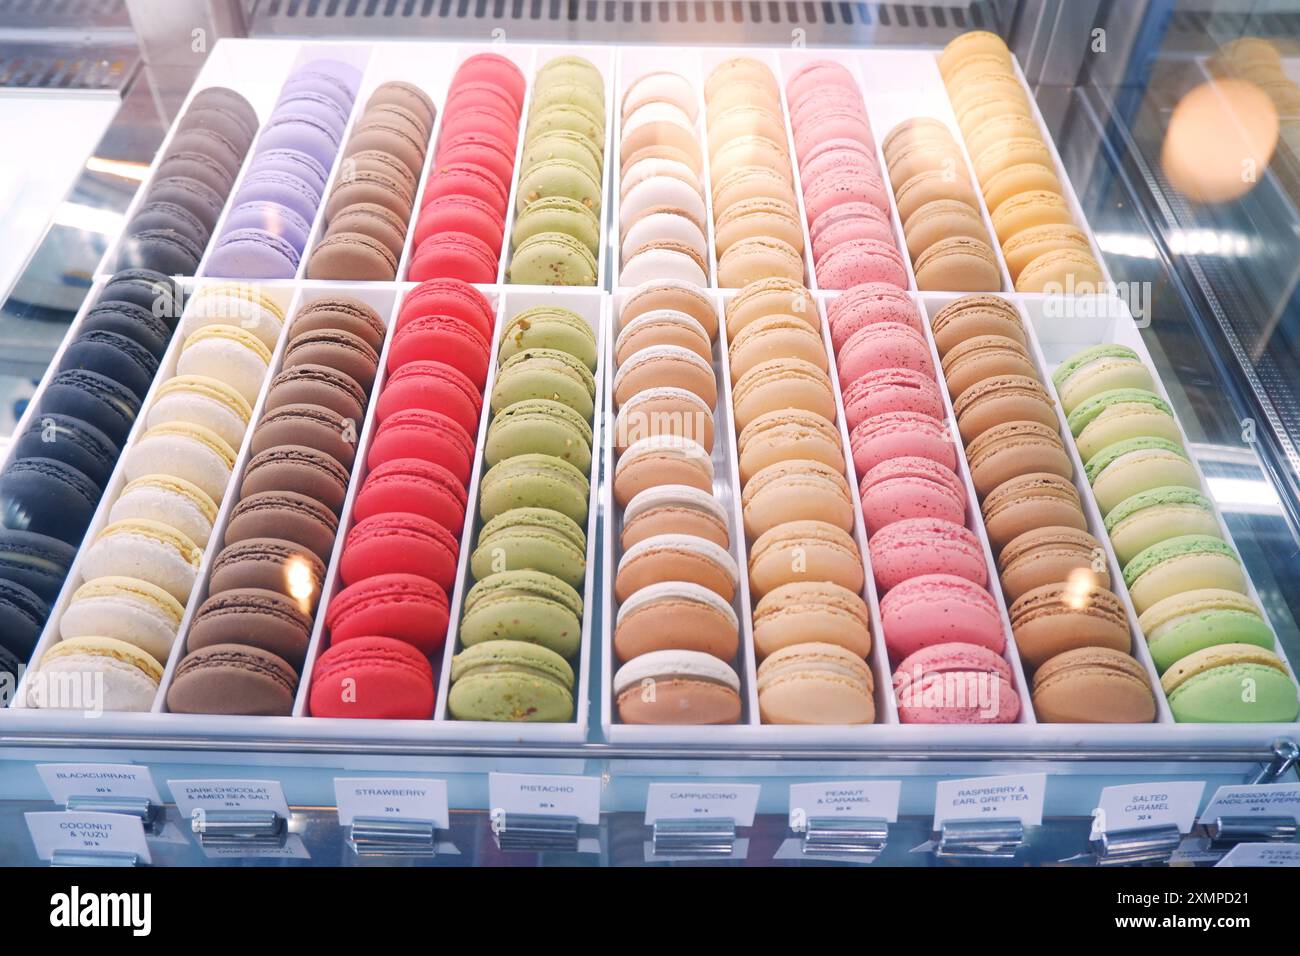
<point x="910" y="487"/>
<point x="286" y="515"/>
<point x="799" y="551"/>
<point x="232" y="679"/>
<point x="661" y="460"/>
<point x="975" y="315"/>
<point x="674" y="509"/>
<point x="1231" y="683"/>
<point x="534" y="481"/>
<point x="399" y="543"/>
<point x="1054" y="618"/>
<point x="71" y="441"/>
<point x="229" y="354"/>
<point x="182" y="450"/>
<point x="171" y="501"/>
<point x="414" y="486"/>
<point x="955" y="684"/>
<point x="510" y="681"/>
<point x="1002" y="398"/>
<point x="1099" y="369"/>
<point x="317" y="385"/>
<point x="442" y="338"/>
<point x="939" y="609"/>
<point x="782" y="383"/>
<point x="1185" y="563"/>
<point x="662" y="327"/>
<point x="200" y="400"/>
<point x="796" y="490"/>
<point x="539" y="426"/>
<point x="892" y="390"/>
<point x="815" y="683"/>
<point x="96" y="399"/>
<point x="1013" y="449"/>
<point x="1149" y="517"/>
<point x="342" y="351"/>
<point x="145" y="549"/>
<point x="433" y="387"/>
<point x="126" y="676"/>
<point x="270" y="563"/>
<point x="1134" y="465"/>
<point x="868" y="304"/>
<point x="403" y="607"/>
<point x="804" y="612"/>
<point x="678" y="687"/>
<point x="1052" y="555"/>
<point x="665" y="366"/>
<point x="253" y="617"/>
<point x="880" y="346"/>
<point x="46" y="496"/>
<point x="1114" y="415"/>
<point x="1026" y="502"/>
<point x="1093" y="685"/>
<point x="889" y="435"/>
<point x="983" y="357"/>
<point x="676" y="615"/>
<point x="536" y="539"/>
<point x="676" y="557"/>
<point x="523" y="605"/>
<point x="429" y="435"/>
<point x="126" y="609"/>
<point x="663" y="412"/>
<point x="35" y="561"/>
<point x="787" y="435"/>
<point x="916" y="546"/>
<point x="545" y="374"/>
<point x="549" y="327"/>
<point x="775" y="337"/>
<point x="1193" y="620"/>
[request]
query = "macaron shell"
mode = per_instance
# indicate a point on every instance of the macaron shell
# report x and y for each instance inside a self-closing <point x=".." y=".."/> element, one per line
<point x="1093" y="685"/>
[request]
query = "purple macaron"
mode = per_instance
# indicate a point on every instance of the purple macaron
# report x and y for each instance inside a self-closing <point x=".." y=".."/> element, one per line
<point x="272" y="217"/>
<point x="283" y="188"/>
<point x="302" y="132"/>
<point x="295" y="163"/>
<point x="252" y="254"/>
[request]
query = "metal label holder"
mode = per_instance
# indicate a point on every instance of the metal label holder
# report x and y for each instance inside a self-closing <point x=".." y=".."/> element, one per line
<point x="240" y="828"/>
<point x="856" y="836"/>
<point x="1226" y="832"/>
<point x="701" y="836"/>
<point x="90" y="858"/>
<point x="1286" y="758"/>
<point x="150" y="814"/>
<point x="535" y="832"/>
<point x="980" y="839"/>
<point x="391" y="836"/>
<point x="1138" y="845"/>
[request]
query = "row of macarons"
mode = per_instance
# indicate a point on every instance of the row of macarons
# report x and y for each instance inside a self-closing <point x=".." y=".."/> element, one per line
<point x="139" y="571"/>
<point x="1070" y="628"/>
<point x="1044" y="247"/>
<point x="63" y="460"/>
<point x="170" y="230"/>
<point x="1209" y="640"/>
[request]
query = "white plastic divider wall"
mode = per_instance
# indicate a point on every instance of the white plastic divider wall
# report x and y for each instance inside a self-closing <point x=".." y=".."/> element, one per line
<point x="256" y="69"/>
<point x="285" y="297"/>
<point x="594" y="309"/>
<point x="603" y="58"/>
<point x="1056" y="339"/>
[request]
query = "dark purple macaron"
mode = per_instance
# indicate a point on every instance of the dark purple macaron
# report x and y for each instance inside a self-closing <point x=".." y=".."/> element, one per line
<point x="35" y="561"/>
<point x="136" y="322"/>
<point x="226" y="98"/>
<point x="46" y="496"/>
<point x="22" y="617"/>
<point x="151" y="291"/>
<point x="168" y="215"/>
<point x="220" y="120"/>
<point x="109" y="406"/>
<point x="162" y="250"/>
<point x="200" y="199"/>
<point x="114" y="355"/>
<point x="211" y="144"/>
<point x="198" y="166"/>
<point x="71" y="441"/>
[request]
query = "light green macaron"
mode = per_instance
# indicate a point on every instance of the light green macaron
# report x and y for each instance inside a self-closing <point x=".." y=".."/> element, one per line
<point x="575" y="119"/>
<point x="534" y="481"/>
<point x="523" y="606"/>
<point x="553" y="258"/>
<point x="1134" y="465"/>
<point x="557" y="214"/>
<point x="559" y="177"/>
<point x="569" y="68"/>
<point x="562" y="144"/>
<point x="1193" y="620"/>
<point x="555" y="91"/>
<point x="1150" y="517"/>
<point x="511" y="681"/>
<point x="1231" y="683"/>
<point x="539" y="426"/>
<point x="1121" y="413"/>
<point x="545" y="373"/>
<point x="536" y="539"/>
<point x="549" y="327"/>
<point x="1101" y="368"/>
<point x="1186" y="563"/>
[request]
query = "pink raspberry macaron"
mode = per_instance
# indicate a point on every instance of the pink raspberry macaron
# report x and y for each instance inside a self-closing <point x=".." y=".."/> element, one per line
<point x="836" y="154"/>
<point x="940" y="609"/>
<point x="892" y="390"/>
<point x="374" y="678"/>
<point x="815" y="78"/>
<point x="835" y="189"/>
<point x="955" y="684"/>
<point x="866" y="304"/>
<point x="908" y="487"/>
<point x="454" y="255"/>
<point x="861" y="260"/>
<point x="915" y="546"/>
<point x="850" y="220"/>
<point x="833" y="122"/>
<point x="899" y="434"/>
<point x="882" y="346"/>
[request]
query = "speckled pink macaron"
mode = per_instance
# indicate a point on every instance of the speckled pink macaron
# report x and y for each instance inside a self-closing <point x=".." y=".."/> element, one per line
<point x="832" y="122"/>
<point x="955" y="684"/>
<point x="892" y="390"/>
<point x="866" y="304"/>
<point x="861" y="260"/>
<point x="836" y="189"/>
<point x="848" y="221"/>
<point x="836" y="154"/>
<point x="880" y="346"/>
<point x="911" y="487"/>
<point x="916" y="546"/>
<point x="940" y="609"/>
<point x="899" y="434"/>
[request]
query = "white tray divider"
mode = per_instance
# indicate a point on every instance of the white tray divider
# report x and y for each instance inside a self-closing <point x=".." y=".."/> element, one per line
<point x="886" y="706"/>
<point x="1096" y="527"/>
<point x="249" y="67"/>
<point x="975" y="521"/>
<point x="809" y="267"/>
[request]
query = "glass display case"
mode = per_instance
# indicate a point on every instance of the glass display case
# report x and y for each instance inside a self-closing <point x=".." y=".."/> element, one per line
<point x="1099" y="507"/>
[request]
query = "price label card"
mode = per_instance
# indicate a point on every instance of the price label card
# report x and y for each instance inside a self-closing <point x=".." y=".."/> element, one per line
<point x="293" y="849"/>
<point x="1136" y="806"/>
<point x="397" y="798"/>
<point x="87" y="833"/>
<point x="68" y="780"/>
<point x="874" y="799"/>
<point x="545" y="794"/>
<point x="192" y="795"/>
<point x="1012" y="797"/>
<point x="1254" y="800"/>
<point x="688" y="801"/>
<point x="1262" y="854"/>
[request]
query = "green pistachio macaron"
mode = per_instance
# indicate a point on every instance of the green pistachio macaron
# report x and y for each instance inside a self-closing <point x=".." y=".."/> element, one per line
<point x="1120" y="413"/>
<point x="1150" y="517"/>
<point x="559" y="177"/>
<point x="562" y="144"/>
<point x="545" y="373"/>
<point x="510" y="680"/>
<point x="564" y="116"/>
<point x="1101" y="368"/>
<point x="523" y="606"/>
<point x="539" y="426"/>
<point x="534" y="481"/>
<point x="552" y="258"/>
<point x="1193" y="620"/>
<point x="1231" y="683"/>
<point x="557" y="214"/>
<point x="1185" y="563"/>
<point x="1134" y="465"/>
<point x="550" y="327"/>
<point x="559" y="91"/>
<point x="536" y="539"/>
<point x="569" y="69"/>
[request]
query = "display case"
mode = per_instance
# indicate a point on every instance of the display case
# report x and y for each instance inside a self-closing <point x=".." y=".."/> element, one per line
<point x="1194" y="294"/>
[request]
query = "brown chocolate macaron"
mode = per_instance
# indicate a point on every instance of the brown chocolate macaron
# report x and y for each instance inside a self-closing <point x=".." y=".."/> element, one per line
<point x="317" y="385"/>
<point x="312" y="425"/>
<point x="408" y="95"/>
<point x="233" y="679"/>
<point x="371" y="219"/>
<point x="335" y="349"/>
<point x="368" y="185"/>
<point x="354" y="256"/>
<point x="255" y="617"/>
<point x="341" y="313"/>
<point x="286" y="515"/>
<point x="272" y="564"/>
<point x="297" y="468"/>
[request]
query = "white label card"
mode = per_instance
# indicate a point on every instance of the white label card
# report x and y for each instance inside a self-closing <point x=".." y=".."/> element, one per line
<point x="1012" y="797"/>
<point x="397" y="798"/>
<point x="873" y="799"/>
<point x="1262" y="854"/>
<point x="293" y="849"/>
<point x="693" y="801"/>
<point x="1254" y="800"/>
<point x="547" y="795"/>
<point x="68" y="780"/>
<point x="192" y="795"/>
<point x="1135" y="806"/>
<point x="87" y="833"/>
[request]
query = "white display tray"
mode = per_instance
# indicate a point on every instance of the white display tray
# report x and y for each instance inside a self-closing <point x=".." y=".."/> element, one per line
<point x="897" y="84"/>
